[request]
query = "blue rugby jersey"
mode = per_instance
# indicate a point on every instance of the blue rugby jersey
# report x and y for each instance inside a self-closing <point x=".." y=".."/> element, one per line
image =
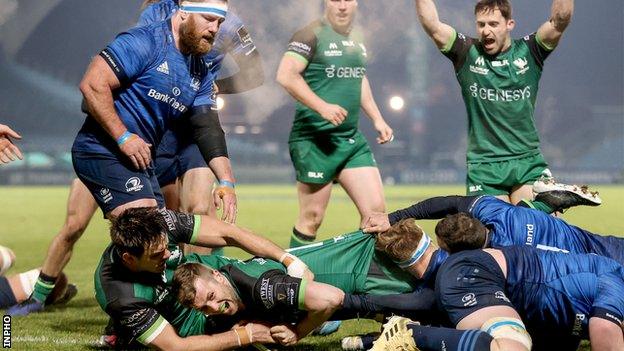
<point x="514" y="225"/>
<point x="232" y="37"/>
<point x="158" y="86"/>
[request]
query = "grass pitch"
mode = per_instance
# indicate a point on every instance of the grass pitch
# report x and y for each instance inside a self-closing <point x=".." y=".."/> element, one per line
<point x="31" y="216"/>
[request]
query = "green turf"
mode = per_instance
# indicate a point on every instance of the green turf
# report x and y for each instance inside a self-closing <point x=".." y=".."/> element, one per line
<point x="32" y="216"/>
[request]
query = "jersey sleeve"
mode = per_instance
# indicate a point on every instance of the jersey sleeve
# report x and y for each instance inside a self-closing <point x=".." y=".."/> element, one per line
<point x="278" y="291"/>
<point x="130" y="54"/>
<point x="457" y="49"/>
<point x="137" y="319"/>
<point x="489" y="209"/>
<point x="466" y="286"/>
<point x="241" y="42"/>
<point x="538" y="49"/>
<point x="181" y="227"/>
<point x="302" y="45"/>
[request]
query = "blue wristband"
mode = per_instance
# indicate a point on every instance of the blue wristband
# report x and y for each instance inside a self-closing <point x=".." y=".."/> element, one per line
<point x="124" y="137"/>
<point x="226" y="183"/>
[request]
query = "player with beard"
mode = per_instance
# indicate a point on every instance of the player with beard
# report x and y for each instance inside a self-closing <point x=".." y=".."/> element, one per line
<point x="81" y="205"/>
<point x="499" y="78"/>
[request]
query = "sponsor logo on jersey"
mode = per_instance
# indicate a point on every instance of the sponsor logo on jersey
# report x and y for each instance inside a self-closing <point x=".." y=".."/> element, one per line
<point x="522" y="64"/>
<point x="175" y="255"/>
<point x="170" y="100"/>
<point x="299" y="47"/>
<point x="503" y="95"/>
<point x="333" y="50"/>
<point x="244" y="37"/>
<point x="469" y="300"/>
<point x="176" y="91"/>
<point x="161" y="293"/>
<point x="502" y="63"/>
<point x="133" y="184"/>
<point x="578" y="324"/>
<point x="195" y="83"/>
<point x="345" y="72"/>
<point x="530" y="230"/>
<point x="266" y="293"/>
<point x="475" y="188"/>
<point x="480" y="61"/>
<point x="259" y="260"/>
<point x="348" y="43"/>
<point x="163" y="68"/>
<point x="501" y="296"/>
<point x="316" y="175"/>
<point x="106" y="195"/>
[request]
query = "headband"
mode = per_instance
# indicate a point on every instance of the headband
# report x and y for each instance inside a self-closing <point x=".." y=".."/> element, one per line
<point x="423" y="245"/>
<point x="219" y="10"/>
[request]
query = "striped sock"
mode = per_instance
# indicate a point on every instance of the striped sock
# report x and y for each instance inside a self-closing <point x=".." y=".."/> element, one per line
<point x="434" y="338"/>
<point x="536" y="205"/>
<point x="299" y="239"/>
<point x="43" y="287"/>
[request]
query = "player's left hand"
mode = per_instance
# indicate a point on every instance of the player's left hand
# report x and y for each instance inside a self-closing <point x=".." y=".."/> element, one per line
<point x="376" y="223"/>
<point x="226" y="196"/>
<point x="284" y="335"/>
<point x="8" y="151"/>
<point x="385" y="132"/>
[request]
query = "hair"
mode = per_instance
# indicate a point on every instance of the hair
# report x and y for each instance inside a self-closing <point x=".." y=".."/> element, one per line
<point x="183" y="285"/>
<point x="504" y="6"/>
<point x="400" y="241"/>
<point x="459" y="232"/>
<point x="136" y="229"/>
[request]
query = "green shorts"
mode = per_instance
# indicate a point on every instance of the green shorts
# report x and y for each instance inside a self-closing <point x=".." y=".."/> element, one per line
<point x="351" y="263"/>
<point x="320" y="160"/>
<point x="499" y="178"/>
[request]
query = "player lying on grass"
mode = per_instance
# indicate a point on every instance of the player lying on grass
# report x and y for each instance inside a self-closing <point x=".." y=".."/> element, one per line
<point x="518" y="298"/>
<point x="501" y="224"/>
<point x="133" y="277"/>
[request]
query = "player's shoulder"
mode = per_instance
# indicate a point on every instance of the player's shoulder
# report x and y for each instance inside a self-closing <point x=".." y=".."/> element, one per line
<point x="311" y="30"/>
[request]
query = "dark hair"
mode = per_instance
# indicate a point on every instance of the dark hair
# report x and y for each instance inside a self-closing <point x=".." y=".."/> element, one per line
<point x="183" y="285"/>
<point x="459" y="232"/>
<point x="136" y="229"/>
<point x="504" y="6"/>
<point x="400" y="241"/>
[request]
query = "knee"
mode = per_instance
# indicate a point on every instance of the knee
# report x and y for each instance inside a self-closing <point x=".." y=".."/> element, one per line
<point x="196" y="205"/>
<point x="313" y="217"/>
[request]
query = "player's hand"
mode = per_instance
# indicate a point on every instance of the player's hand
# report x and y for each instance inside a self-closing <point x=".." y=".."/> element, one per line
<point x="385" y="132"/>
<point x="8" y="151"/>
<point x="5" y="131"/>
<point x="259" y="333"/>
<point x="226" y="196"/>
<point x="334" y="114"/>
<point x="376" y="223"/>
<point x="295" y="267"/>
<point x="284" y="335"/>
<point x="137" y="150"/>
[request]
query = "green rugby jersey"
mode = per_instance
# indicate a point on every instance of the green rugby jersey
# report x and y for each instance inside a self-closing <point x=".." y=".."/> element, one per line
<point x="140" y="303"/>
<point x="499" y="93"/>
<point x="335" y="67"/>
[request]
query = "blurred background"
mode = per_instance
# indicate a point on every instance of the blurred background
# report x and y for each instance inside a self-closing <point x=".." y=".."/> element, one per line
<point x="45" y="47"/>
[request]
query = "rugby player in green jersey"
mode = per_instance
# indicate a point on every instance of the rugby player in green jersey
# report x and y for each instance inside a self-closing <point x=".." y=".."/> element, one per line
<point x="499" y="78"/>
<point x="132" y="280"/>
<point x="324" y="69"/>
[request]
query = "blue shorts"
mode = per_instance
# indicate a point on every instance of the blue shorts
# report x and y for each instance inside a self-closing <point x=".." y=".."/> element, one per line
<point x="174" y="157"/>
<point x="114" y="183"/>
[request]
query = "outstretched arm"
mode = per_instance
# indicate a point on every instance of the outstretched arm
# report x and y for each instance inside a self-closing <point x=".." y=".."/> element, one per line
<point x="560" y="16"/>
<point x="441" y="33"/>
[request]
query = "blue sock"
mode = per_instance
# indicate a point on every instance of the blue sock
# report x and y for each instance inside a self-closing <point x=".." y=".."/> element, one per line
<point x="437" y="339"/>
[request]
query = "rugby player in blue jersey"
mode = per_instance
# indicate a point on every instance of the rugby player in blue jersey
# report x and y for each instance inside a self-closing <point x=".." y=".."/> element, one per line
<point x="182" y="173"/>
<point x="518" y="298"/>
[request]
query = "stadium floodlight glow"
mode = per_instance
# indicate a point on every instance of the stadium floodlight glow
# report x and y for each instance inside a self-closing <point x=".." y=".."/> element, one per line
<point x="397" y="103"/>
<point x="220" y="103"/>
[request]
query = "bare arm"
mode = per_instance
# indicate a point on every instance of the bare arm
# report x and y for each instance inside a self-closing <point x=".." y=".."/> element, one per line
<point x="321" y="301"/>
<point x="605" y="335"/>
<point x="372" y="111"/>
<point x="97" y="88"/>
<point x="560" y="16"/>
<point x="440" y="33"/>
<point x="289" y="77"/>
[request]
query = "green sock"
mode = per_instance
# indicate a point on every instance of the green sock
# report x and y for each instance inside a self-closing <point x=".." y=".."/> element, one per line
<point x="297" y="239"/>
<point x="43" y="287"/>
<point x="536" y="205"/>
